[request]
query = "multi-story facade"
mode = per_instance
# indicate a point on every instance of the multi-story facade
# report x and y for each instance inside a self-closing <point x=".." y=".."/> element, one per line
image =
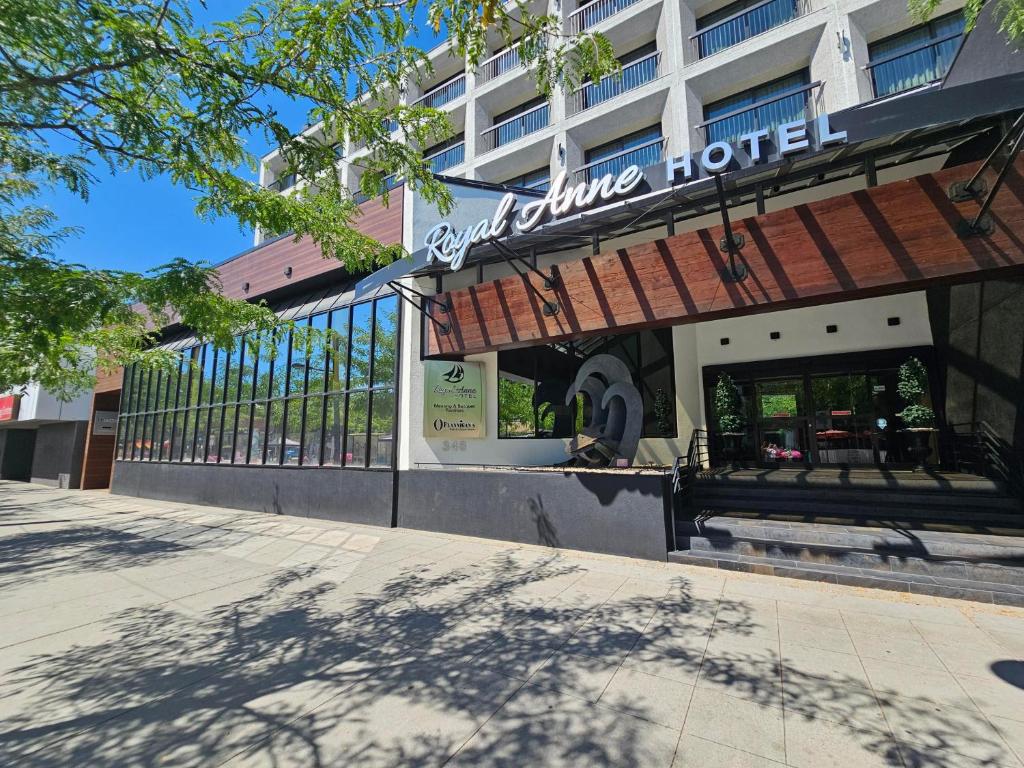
<point x="808" y="275"/>
<point x="691" y="73"/>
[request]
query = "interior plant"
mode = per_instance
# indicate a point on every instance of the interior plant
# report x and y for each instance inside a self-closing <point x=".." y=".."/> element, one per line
<point x="919" y="419"/>
<point x="663" y="412"/>
<point x="728" y="411"/>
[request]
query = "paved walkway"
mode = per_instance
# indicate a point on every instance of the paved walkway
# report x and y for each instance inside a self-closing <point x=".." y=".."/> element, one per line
<point x="141" y="633"/>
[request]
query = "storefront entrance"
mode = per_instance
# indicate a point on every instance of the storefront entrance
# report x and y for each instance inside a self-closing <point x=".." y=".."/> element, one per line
<point x="837" y="410"/>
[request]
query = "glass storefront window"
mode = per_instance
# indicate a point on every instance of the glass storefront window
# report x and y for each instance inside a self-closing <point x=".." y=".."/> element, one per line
<point x="261" y="401"/>
<point x="533" y="382"/>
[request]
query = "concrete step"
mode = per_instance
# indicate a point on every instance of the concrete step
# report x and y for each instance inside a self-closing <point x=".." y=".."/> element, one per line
<point x="734" y="493"/>
<point x="901" y="581"/>
<point x="892" y="542"/>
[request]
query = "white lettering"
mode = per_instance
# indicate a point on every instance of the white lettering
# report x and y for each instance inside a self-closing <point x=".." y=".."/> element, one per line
<point x="450" y="247"/>
<point x="792" y="137"/>
<point x="562" y="198"/>
<point x="826" y="135"/>
<point x="673" y="164"/>
<point x="754" y="139"/>
<point x="716" y="166"/>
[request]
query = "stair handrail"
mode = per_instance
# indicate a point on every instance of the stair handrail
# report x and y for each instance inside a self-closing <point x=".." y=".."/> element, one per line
<point x="995" y="457"/>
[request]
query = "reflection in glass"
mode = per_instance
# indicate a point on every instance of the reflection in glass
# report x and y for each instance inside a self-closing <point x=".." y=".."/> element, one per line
<point x="385" y="341"/>
<point x="258" y="434"/>
<point x="338" y="364"/>
<point x="300" y="354"/>
<point x="242" y="435"/>
<point x="355" y="445"/>
<point x="359" y="366"/>
<point x="202" y="422"/>
<point x="213" y="441"/>
<point x="382" y="432"/>
<point x="318" y="354"/>
<point x="334" y="430"/>
<point x="293" y="431"/>
<point x="275" y="431"/>
<point x="312" y="437"/>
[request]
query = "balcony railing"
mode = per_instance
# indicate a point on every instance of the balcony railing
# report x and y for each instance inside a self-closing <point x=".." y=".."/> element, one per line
<point x="390" y="182"/>
<point x="592" y="13"/>
<point x="507" y="131"/>
<point x="745" y="24"/>
<point x="633" y="75"/>
<point x="284" y="183"/>
<point x="447" y="158"/>
<point x="908" y="69"/>
<point x="769" y="114"/>
<point x="642" y="155"/>
<point x="443" y="94"/>
<point x="500" y="63"/>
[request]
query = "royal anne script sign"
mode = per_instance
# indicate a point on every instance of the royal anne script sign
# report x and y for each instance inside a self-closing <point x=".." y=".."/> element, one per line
<point x="450" y="246"/>
<point x="453" y="400"/>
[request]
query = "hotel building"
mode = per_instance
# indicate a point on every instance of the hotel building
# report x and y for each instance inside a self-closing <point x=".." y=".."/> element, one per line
<point x="807" y="263"/>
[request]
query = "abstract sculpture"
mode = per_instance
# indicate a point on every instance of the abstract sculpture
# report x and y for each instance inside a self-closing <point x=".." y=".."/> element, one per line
<point x="616" y="415"/>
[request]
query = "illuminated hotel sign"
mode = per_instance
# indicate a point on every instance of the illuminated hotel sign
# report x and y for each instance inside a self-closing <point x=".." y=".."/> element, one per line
<point x="450" y="246"/>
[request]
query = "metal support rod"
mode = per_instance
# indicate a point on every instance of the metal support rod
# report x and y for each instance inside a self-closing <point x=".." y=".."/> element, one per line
<point x="1017" y="124"/>
<point x="443" y="328"/>
<point x="723" y="206"/>
<point x="999" y="180"/>
<point x="424" y="296"/>
<point x="870" y="172"/>
<point x="550" y="307"/>
<point x="508" y="255"/>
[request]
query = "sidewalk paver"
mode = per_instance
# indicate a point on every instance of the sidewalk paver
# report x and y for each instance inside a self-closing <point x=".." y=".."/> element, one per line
<point x="135" y="632"/>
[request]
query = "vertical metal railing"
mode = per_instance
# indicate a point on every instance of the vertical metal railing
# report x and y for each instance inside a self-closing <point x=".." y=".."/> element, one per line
<point x="500" y="63"/>
<point x="594" y="12"/>
<point x="443" y="94"/>
<point x="792" y="104"/>
<point x="744" y="25"/>
<point x="642" y="155"/>
<point x="904" y="70"/>
<point x="633" y="75"/>
<point x="507" y="131"/>
<point x="447" y="158"/>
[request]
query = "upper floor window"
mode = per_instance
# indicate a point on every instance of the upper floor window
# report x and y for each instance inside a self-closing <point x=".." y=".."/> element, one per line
<point x="446" y="154"/>
<point x="640" y="148"/>
<point x="639" y="66"/>
<point x="739" y="21"/>
<point x="539" y="179"/>
<point x="763" y="107"/>
<point x="918" y="56"/>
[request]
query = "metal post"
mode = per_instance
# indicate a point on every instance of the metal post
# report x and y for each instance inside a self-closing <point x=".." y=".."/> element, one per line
<point x="730" y="243"/>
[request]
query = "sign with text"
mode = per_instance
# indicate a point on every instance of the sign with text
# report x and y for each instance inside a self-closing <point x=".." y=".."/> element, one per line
<point x="453" y="400"/>
<point x="9" y="407"/>
<point x="104" y="423"/>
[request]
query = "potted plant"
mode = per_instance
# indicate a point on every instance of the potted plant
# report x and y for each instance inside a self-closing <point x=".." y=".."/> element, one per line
<point x="728" y="411"/>
<point x="918" y="418"/>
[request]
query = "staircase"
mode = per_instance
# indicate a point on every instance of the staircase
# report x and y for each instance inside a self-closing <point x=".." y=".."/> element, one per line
<point x="951" y="535"/>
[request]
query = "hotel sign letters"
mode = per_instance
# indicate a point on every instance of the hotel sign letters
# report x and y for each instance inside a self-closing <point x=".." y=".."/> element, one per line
<point x="453" y="399"/>
<point x="448" y="245"/>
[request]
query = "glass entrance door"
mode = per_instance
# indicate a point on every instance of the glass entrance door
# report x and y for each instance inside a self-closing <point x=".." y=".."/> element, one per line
<point x="782" y="423"/>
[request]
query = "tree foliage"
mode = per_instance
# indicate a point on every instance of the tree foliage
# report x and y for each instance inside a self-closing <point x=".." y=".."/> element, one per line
<point x="728" y="405"/>
<point x="142" y="86"/>
<point x="1009" y="13"/>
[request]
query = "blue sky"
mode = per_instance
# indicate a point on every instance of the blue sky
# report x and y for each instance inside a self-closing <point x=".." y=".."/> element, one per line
<point x="135" y="224"/>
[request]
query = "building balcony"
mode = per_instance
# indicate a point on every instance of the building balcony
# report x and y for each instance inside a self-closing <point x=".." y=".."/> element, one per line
<point x="768" y="114"/>
<point x="649" y="153"/>
<point x="920" y="65"/>
<point x="633" y="75"/>
<point x="507" y="131"/>
<point x="447" y="158"/>
<point x="745" y="24"/>
<point x="499" y="64"/>
<point x="284" y="183"/>
<point x="443" y="94"/>
<point x="594" y="12"/>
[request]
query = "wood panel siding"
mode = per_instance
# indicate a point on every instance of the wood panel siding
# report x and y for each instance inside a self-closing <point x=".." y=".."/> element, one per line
<point x="889" y="239"/>
<point x="264" y="267"/>
<point x="108" y="381"/>
<point x="98" y="462"/>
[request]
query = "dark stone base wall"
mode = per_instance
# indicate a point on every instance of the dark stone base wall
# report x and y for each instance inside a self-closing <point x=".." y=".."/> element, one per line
<point x="16" y="448"/>
<point x="59" y="450"/>
<point x="613" y="513"/>
<point x="351" y="496"/>
<point x="978" y="330"/>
